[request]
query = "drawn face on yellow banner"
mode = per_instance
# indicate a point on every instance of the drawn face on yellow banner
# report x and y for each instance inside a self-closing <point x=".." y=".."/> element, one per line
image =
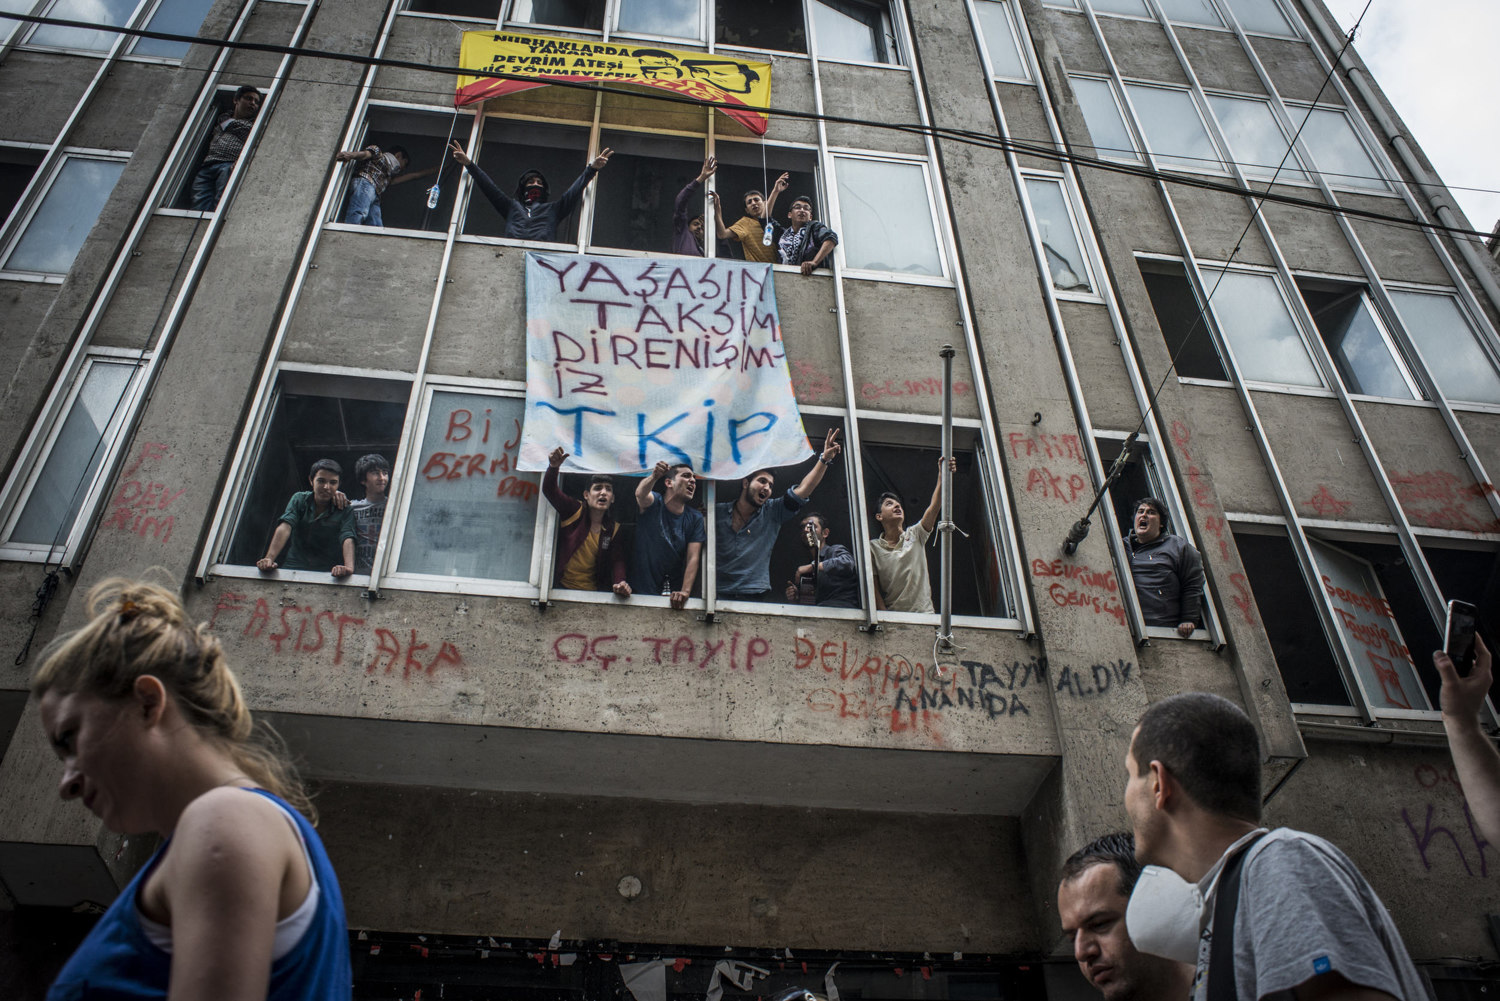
<point x="735" y="85"/>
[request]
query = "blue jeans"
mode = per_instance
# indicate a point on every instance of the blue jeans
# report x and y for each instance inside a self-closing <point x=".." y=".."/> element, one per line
<point x="208" y="185"/>
<point x="364" y="204"/>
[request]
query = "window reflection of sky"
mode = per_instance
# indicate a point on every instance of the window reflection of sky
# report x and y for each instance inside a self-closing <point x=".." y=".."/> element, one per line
<point x="67" y="213"/>
<point x="1366" y="361"/>
<point x="1260" y="330"/>
<point x="180" y="17"/>
<point x="675" y="18"/>
<point x="885" y="217"/>
<point x="96" y="11"/>
<point x="1447" y="344"/>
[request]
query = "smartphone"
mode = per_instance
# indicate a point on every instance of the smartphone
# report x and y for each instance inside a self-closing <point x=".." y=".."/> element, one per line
<point x="1458" y="636"/>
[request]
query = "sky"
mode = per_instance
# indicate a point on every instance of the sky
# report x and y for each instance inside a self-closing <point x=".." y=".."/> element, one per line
<point x="1435" y="59"/>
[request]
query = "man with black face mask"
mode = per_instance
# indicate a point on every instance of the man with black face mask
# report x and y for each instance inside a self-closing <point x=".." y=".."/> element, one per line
<point x="528" y="214"/>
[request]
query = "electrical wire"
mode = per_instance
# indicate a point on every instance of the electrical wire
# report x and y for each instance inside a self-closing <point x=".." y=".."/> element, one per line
<point x="1040" y="150"/>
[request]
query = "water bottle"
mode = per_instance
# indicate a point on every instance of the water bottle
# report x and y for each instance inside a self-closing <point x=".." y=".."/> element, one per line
<point x="433" y="193"/>
<point x="765" y="241"/>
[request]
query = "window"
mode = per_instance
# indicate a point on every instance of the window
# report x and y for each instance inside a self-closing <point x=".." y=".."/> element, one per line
<point x="747" y="166"/>
<point x="179" y="194"/>
<point x="104" y="12"/>
<point x="1101" y="113"/>
<point x="1174" y="130"/>
<point x="179" y="17"/>
<point x="1132" y="7"/>
<point x="424" y="136"/>
<point x="479" y="10"/>
<point x="1254" y="319"/>
<point x="672" y="18"/>
<point x="886" y="217"/>
<point x="42" y="525"/>
<point x="585" y="14"/>
<point x="853" y="30"/>
<point x="1260" y="15"/>
<point x="313" y="416"/>
<point x="1340" y="157"/>
<point x="62" y="220"/>
<point x="1191" y="12"/>
<point x="1356" y="339"/>
<point x="1054" y="223"/>
<point x="17" y="168"/>
<point x="469" y="512"/>
<point x="1471" y="575"/>
<point x="1181" y="322"/>
<point x="637" y="192"/>
<point x="559" y="152"/>
<point x="831" y="500"/>
<point x="8" y="27"/>
<point x="1367" y="619"/>
<point x="1255" y="141"/>
<point x="998" y="25"/>
<point x="1290" y="619"/>
<point x="902" y="458"/>
<point x="1448" y="344"/>
<point x="770" y="24"/>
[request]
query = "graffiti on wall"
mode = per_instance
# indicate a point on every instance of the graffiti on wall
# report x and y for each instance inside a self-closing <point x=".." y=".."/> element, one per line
<point x="1440" y="825"/>
<point x="141" y="504"/>
<point x="1439" y="499"/>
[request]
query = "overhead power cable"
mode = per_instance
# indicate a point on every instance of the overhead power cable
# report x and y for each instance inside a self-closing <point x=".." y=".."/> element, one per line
<point x="968" y="137"/>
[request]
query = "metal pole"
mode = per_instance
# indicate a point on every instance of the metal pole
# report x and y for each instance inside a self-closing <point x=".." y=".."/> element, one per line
<point x="945" y="525"/>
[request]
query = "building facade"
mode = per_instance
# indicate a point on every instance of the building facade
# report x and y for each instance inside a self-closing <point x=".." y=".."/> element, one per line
<point x="1188" y="231"/>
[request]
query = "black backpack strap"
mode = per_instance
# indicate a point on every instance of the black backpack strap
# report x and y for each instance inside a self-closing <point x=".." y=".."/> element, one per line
<point x="1221" y="987"/>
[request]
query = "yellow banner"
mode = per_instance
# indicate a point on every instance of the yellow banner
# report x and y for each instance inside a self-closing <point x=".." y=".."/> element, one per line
<point x="736" y="86"/>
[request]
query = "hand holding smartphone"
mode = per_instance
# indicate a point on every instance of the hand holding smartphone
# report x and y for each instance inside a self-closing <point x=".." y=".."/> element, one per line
<point x="1458" y="635"/>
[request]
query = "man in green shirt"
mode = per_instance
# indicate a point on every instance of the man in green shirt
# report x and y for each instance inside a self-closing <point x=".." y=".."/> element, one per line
<point x="319" y="533"/>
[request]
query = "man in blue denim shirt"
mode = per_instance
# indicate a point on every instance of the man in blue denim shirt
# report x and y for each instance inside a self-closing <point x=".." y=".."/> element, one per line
<point x="748" y="525"/>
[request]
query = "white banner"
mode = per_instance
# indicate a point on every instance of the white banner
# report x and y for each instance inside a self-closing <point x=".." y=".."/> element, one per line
<point x="632" y="360"/>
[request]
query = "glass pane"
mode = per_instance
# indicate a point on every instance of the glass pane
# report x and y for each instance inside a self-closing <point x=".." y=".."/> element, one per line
<point x="770" y="24"/>
<point x="1357" y="343"/>
<point x="471" y="514"/>
<point x="1454" y="358"/>
<point x="565" y="13"/>
<point x="1259" y="329"/>
<point x="677" y="18"/>
<point x="180" y="17"/>
<point x="1059" y="243"/>
<point x="1191" y="11"/>
<point x="67" y="213"/>
<point x="999" y="40"/>
<point x="1102" y="115"/>
<point x="848" y="30"/>
<point x="1173" y="129"/>
<point x="1365" y="619"/>
<point x="70" y="467"/>
<point x="885" y="217"/>
<point x="1122" y="7"/>
<point x="94" y="11"/>
<point x="1260" y="15"/>
<point x="7" y="28"/>
<point x="1339" y="155"/>
<point x="1255" y="140"/>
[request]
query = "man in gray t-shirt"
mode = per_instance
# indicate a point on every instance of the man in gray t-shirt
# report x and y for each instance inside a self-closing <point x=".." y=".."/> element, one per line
<point x="1306" y="920"/>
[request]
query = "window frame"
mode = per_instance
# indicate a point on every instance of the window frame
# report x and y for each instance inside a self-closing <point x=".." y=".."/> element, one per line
<point x="1403" y="366"/>
<point x="144" y="15"/>
<point x="1291" y="22"/>
<point x="1206" y="268"/>
<point x="394" y="530"/>
<point x="1131" y="132"/>
<point x="1295" y="171"/>
<point x="1013" y="19"/>
<point x="181" y="174"/>
<point x="1085" y="247"/>
<point x="46" y="10"/>
<point x="1476" y="330"/>
<point x="31" y="203"/>
<point x="39" y="448"/>
<point x="836" y="220"/>
<point x="1166" y="160"/>
<point x="232" y="498"/>
<point x="1385" y="173"/>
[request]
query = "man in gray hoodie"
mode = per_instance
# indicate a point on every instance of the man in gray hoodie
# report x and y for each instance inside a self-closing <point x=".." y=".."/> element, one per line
<point x="1168" y="572"/>
<point x="528" y="215"/>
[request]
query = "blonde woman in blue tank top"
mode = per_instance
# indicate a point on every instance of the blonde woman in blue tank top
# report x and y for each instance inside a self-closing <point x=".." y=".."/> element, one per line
<point x="240" y="902"/>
